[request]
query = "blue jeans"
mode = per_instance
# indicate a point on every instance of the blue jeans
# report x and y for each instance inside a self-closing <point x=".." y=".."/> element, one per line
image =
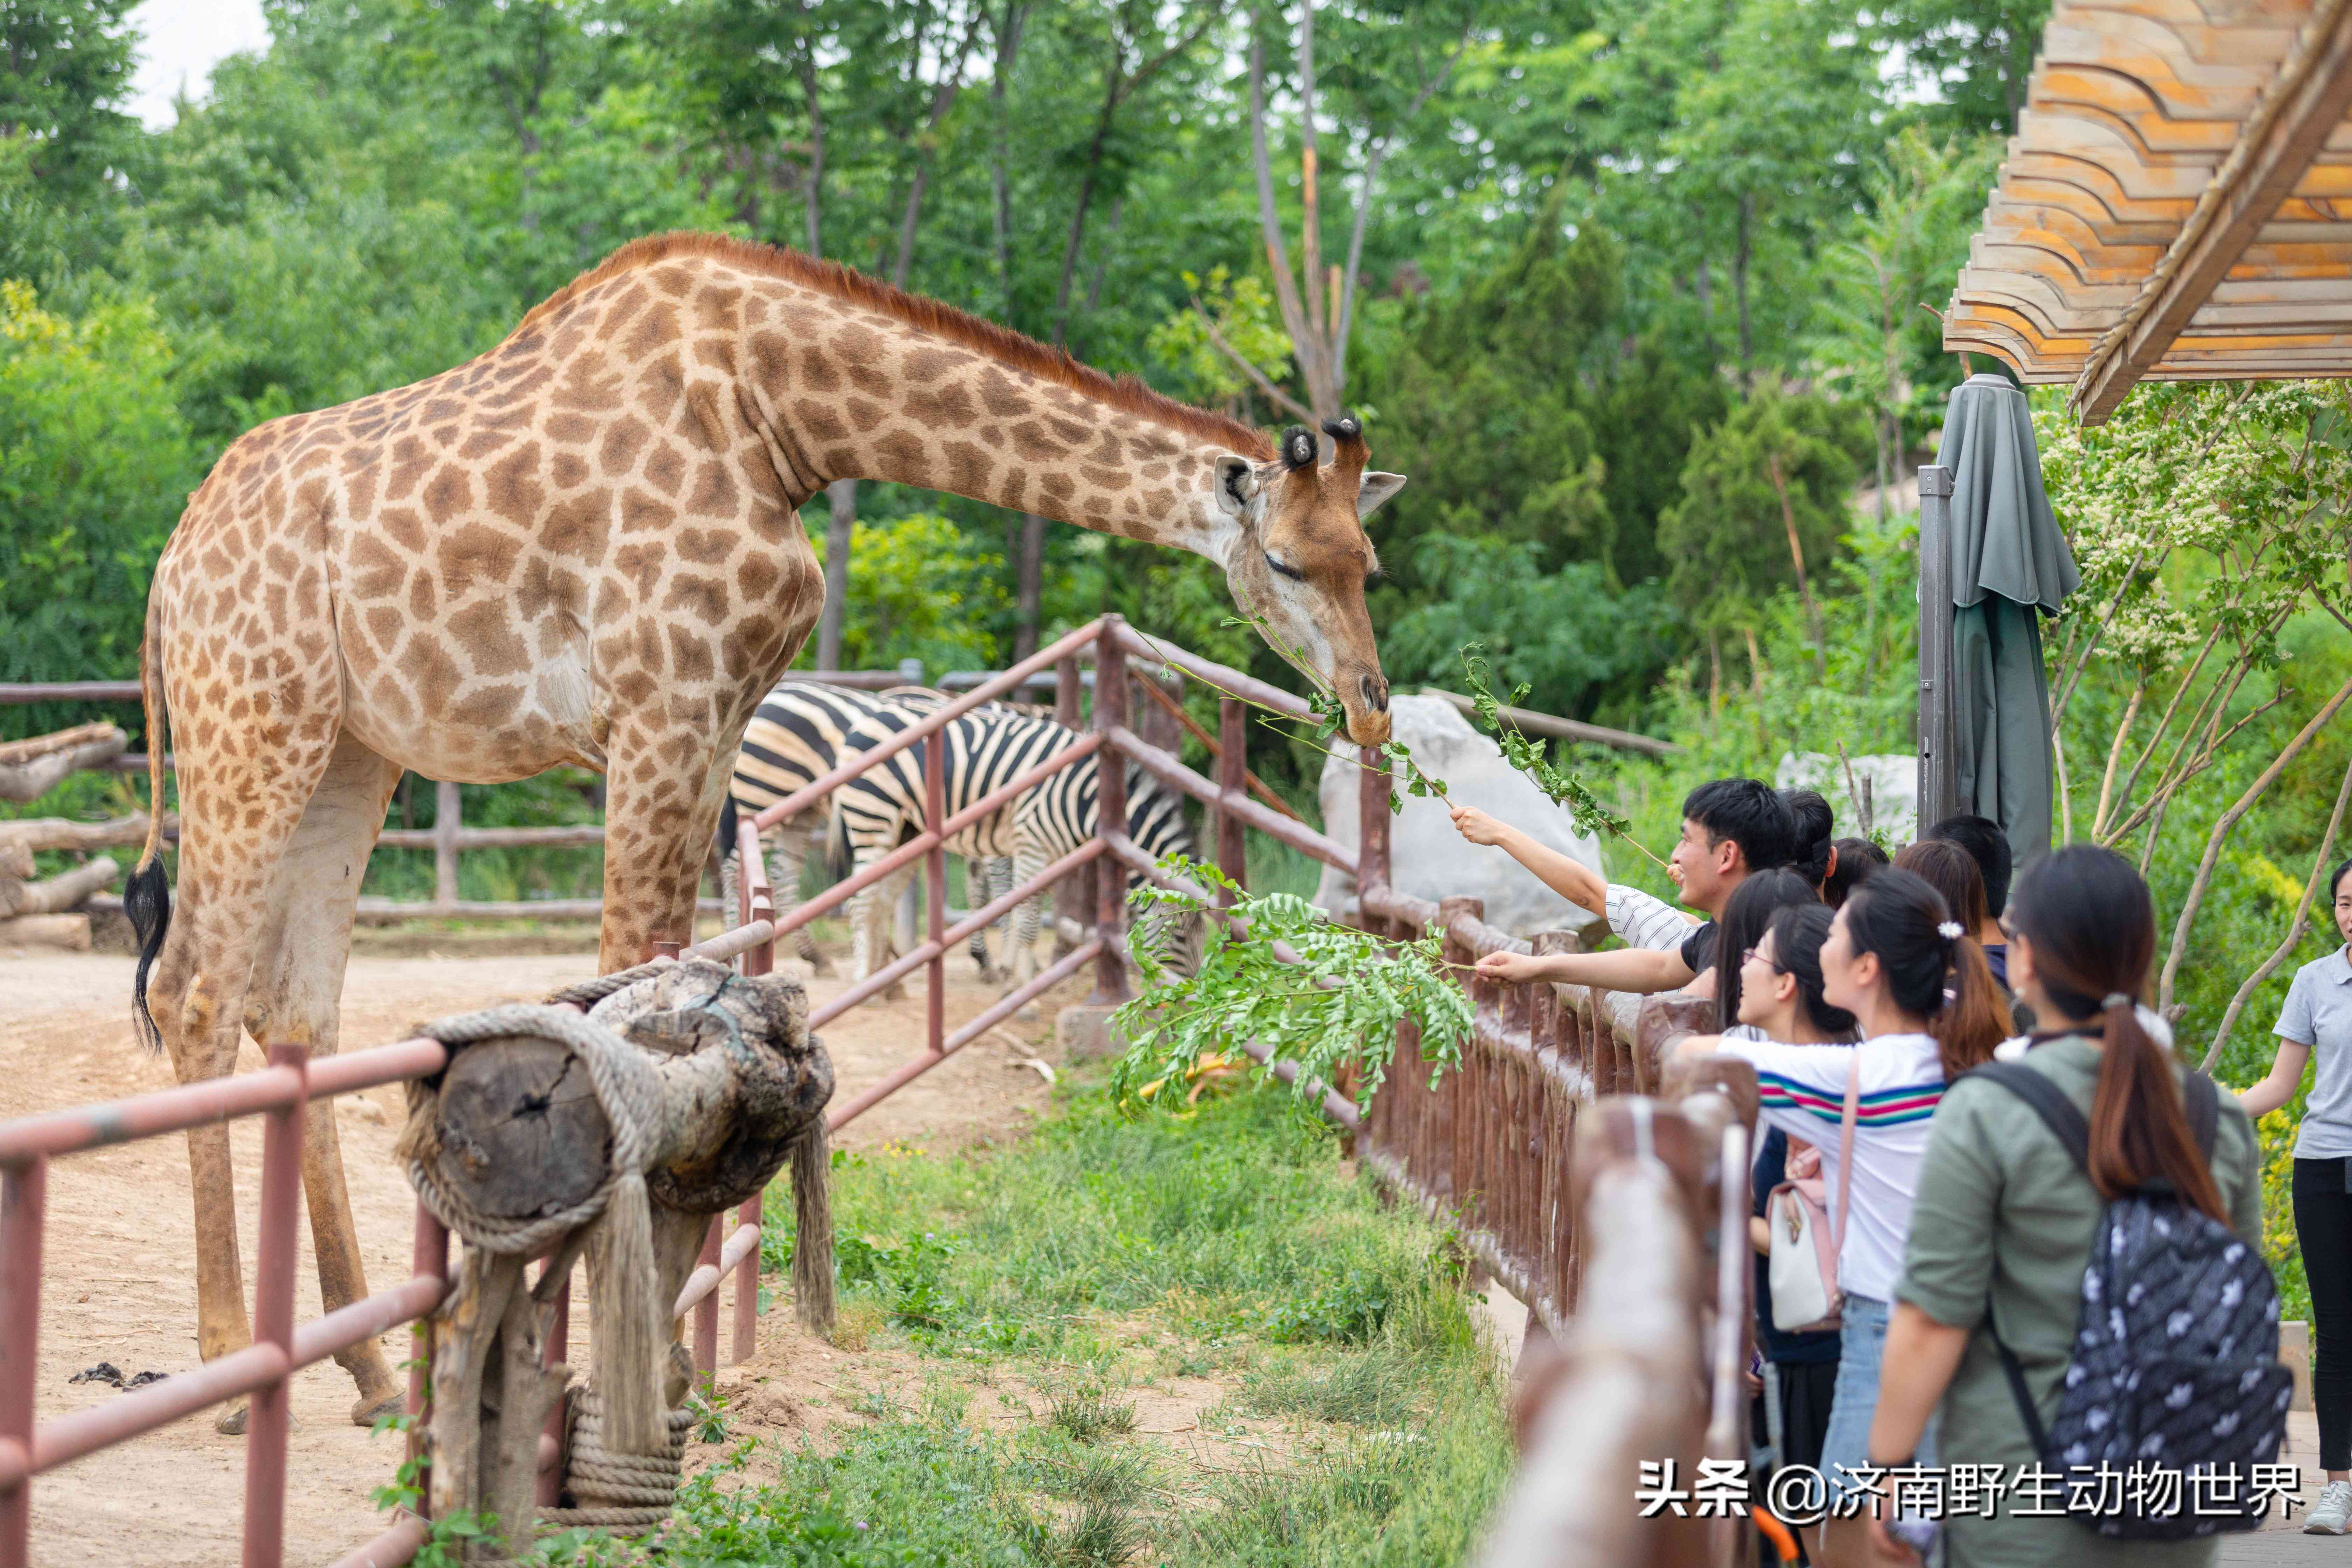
<point x="1862" y="1345"/>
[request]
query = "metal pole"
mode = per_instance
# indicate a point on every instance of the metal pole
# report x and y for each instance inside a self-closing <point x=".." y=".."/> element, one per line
<point x="1073" y="896"/>
<point x="24" y="1198"/>
<point x="1111" y="881"/>
<point x="1233" y="778"/>
<point x="266" y="1421"/>
<point x="448" y="819"/>
<point x="935" y="890"/>
<point x="1939" y="779"/>
<point x="758" y="904"/>
<point x="428" y="1255"/>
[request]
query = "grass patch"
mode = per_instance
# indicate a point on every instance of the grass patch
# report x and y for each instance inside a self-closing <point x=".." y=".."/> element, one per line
<point x="1088" y="1414"/>
<point x="1053" y="1287"/>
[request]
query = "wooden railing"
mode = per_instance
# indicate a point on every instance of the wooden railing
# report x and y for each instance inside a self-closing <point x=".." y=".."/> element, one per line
<point x="1617" y="1216"/>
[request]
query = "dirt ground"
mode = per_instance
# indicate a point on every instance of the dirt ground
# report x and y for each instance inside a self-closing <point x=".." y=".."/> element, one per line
<point x="119" y="1282"/>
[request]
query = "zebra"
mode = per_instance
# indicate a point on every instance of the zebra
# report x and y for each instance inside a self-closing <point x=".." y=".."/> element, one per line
<point x="802" y="731"/>
<point x="883" y="807"/>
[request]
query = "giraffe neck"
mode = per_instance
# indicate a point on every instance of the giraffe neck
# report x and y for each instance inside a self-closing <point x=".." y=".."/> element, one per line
<point x="849" y="393"/>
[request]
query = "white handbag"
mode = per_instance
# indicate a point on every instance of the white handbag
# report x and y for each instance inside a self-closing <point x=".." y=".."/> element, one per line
<point x="1803" y="1265"/>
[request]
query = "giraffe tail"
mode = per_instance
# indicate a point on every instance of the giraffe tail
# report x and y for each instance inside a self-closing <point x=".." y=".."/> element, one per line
<point x="147" y="896"/>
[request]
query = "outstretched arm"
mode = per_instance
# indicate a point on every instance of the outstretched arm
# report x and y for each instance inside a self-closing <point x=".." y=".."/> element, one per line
<point x="1570" y="878"/>
<point x="1633" y="969"/>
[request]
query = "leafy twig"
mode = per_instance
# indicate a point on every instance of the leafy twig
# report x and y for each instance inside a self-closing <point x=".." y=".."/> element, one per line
<point x="1528" y="755"/>
<point x="1337" y="1007"/>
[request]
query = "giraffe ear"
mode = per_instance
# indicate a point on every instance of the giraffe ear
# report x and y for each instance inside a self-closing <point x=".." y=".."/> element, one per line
<point x="1236" y="483"/>
<point x="1375" y="490"/>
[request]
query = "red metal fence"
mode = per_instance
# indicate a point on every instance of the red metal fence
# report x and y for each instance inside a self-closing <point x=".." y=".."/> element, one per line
<point x="1490" y="1145"/>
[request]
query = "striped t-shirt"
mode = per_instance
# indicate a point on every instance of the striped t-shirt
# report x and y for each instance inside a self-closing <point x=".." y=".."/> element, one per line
<point x="1801" y="1090"/>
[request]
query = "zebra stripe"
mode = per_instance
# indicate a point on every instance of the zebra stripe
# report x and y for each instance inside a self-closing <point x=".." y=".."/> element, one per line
<point x="985" y="750"/>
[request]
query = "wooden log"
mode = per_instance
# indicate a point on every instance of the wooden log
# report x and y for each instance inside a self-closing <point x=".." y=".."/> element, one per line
<point x="16" y="754"/>
<point x="35" y="834"/>
<point x="36" y="772"/>
<point x="521" y="1134"/>
<point x="71" y="932"/>
<point x="66" y="891"/>
<point x="465" y="1350"/>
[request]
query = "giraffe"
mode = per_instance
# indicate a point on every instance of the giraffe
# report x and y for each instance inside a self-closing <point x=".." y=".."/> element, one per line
<point x="584" y="547"/>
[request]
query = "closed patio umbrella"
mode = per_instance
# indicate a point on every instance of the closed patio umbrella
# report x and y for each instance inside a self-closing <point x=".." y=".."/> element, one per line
<point x="2008" y="567"/>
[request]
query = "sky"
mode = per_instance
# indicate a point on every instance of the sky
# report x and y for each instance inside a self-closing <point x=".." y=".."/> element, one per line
<point x="181" y="41"/>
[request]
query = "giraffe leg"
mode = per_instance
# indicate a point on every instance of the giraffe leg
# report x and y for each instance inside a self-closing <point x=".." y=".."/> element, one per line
<point x="238" y="814"/>
<point x="296" y="999"/>
<point x="655" y="782"/>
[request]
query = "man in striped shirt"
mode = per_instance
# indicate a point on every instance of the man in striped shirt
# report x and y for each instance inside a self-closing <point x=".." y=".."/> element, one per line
<point x="1731" y="827"/>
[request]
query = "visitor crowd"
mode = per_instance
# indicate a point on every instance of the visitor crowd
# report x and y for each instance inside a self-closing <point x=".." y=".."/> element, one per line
<point x="2014" y="1234"/>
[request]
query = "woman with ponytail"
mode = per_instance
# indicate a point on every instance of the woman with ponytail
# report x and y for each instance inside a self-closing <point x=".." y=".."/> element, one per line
<point x="1885" y="960"/>
<point x="2004" y="1218"/>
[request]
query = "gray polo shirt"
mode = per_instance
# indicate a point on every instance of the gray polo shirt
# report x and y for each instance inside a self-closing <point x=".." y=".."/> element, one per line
<point x="2318" y="1014"/>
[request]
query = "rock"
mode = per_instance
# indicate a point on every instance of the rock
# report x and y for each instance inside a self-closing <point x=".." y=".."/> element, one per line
<point x="1427" y="857"/>
<point x="767" y="1405"/>
<point x="1085" y="1034"/>
<point x="1890" y="780"/>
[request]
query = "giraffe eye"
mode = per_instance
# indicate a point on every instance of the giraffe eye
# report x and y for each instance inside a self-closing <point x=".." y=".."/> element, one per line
<point x="1293" y="572"/>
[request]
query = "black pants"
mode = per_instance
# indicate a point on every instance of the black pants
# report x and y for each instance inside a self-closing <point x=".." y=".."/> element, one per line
<point x="2322" y="1224"/>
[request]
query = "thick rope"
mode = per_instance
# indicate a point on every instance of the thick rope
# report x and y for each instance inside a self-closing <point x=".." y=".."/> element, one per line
<point x="631" y="1322"/>
<point x="588" y="993"/>
<point x="628" y="1494"/>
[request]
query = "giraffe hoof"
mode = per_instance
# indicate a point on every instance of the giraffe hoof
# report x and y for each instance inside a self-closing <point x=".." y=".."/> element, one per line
<point x="369" y="1409"/>
<point x="232" y="1421"/>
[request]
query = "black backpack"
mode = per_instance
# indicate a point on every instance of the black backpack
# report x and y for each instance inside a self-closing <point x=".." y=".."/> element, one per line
<point x="2175" y="1364"/>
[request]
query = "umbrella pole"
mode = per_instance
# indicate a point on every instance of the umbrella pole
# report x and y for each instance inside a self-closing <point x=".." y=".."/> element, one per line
<point x="1940" y="781"/>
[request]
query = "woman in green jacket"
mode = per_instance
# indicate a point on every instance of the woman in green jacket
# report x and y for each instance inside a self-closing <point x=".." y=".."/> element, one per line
<point x="2005" y="1217"/>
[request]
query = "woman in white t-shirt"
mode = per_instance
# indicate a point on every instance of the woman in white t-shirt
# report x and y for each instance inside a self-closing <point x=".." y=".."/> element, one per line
<point x="1892" y="950"/>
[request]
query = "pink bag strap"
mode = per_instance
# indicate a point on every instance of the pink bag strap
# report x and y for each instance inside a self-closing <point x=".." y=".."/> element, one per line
<point x="1845" y="1146"/>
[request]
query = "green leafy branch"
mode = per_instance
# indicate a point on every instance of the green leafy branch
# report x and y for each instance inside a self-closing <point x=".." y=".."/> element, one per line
<point x="1527" y="754"/>
<point x="1337" y="1007"/>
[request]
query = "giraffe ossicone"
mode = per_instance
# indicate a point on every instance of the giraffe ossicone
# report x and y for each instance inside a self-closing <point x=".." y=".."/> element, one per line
<point x="584" y="547"/>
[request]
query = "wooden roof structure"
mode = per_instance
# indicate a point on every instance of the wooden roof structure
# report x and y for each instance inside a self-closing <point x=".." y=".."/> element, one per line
<point x="2176" y="203"/>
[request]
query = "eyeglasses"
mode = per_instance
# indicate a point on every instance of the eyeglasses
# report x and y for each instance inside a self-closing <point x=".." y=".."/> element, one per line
<point x="1751" y="954"/>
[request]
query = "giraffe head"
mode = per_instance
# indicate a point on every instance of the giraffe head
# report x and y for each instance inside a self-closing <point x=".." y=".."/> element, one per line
<point x="1302" y="562"/>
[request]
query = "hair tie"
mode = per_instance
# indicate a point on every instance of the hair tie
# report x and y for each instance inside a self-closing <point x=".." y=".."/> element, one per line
<point x="2114" y="999"/>
<point x="1949" y="930"/>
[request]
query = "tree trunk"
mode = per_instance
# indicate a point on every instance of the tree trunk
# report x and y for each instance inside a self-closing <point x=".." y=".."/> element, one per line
<point x="1029" y="587"/>
<point x="839" y="530"/>
<point x="1008" y="45"/>
<point x="1739" y="257"/>
<point x="1102" y="255"/>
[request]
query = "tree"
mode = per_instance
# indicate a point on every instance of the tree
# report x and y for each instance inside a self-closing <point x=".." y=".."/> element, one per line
<point x="2204" y="519"/>
<point x="1764" y="503"/>
<point x="1319" y="303"/>
<point x="1924" y="199"/>
<point x="65" y="66"/>
<point x="1970" y="58"/>
<point x="95" y="465"/>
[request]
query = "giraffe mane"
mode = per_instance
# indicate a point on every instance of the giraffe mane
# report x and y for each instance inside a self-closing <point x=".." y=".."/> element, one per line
<point x="1013" y="350"/>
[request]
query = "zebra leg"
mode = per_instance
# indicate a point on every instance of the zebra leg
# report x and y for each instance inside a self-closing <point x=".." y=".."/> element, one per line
<point x="784" y="861"/>
<point x="977" y="892"/>
<point x="871" y="916"/>
<point x="1022" y="958"/>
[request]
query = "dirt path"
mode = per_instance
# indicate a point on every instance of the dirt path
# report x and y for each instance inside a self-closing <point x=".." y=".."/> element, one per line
<point x="119" y="1279"/>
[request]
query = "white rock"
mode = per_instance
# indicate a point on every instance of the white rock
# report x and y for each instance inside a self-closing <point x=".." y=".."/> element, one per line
<point x="1427" y="857"/>
<point x="1891" y="780"/>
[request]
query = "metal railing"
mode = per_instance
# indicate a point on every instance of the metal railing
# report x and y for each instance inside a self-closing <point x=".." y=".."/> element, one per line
<point x="1491" y="1145"/>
